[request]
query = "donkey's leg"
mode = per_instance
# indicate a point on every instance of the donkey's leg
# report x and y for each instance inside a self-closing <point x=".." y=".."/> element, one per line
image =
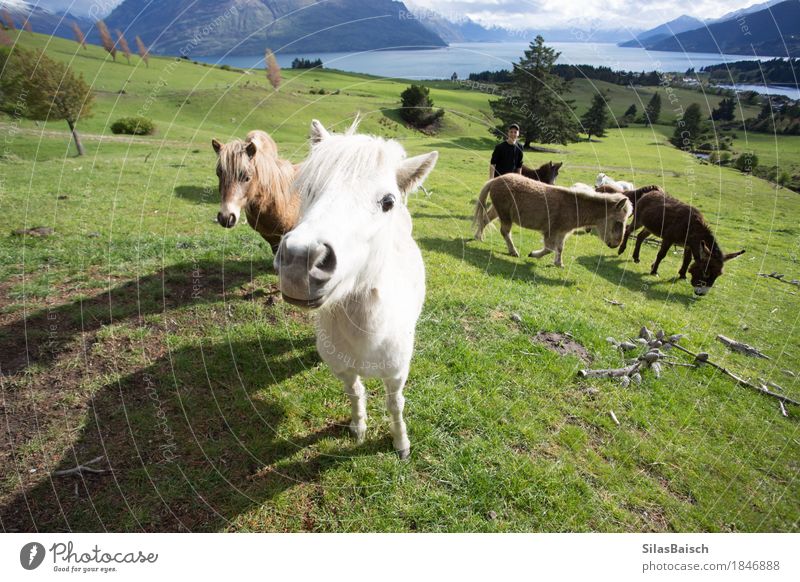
<point x="358" y="404"/>
<point x="549" y="247"/>
<point x="395" y="402"/>
<point x="687" y="258"/>
<point x="559" y="243"/>
<point x="505" y="230"/>
<point x="628" y="232"/>
<point x="662" y="252"/>
<point x="639" y="240"/>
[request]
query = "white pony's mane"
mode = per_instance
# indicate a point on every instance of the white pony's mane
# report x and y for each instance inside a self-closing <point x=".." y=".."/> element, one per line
<point x="343" y="159"/>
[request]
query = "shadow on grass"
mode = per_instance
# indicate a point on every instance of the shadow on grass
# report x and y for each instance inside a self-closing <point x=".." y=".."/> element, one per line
<point x="192" y="434"/>
<point x="494" y="264"/>
<point x="192" y="442"/>
<point x="197" y="194"/>
<point x="620" y="271"/>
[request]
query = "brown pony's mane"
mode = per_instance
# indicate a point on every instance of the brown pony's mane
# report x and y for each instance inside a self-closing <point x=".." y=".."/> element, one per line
<point x="271" y="176"/>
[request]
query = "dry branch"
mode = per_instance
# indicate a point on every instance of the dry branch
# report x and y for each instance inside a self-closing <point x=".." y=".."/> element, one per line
<point x="83" y="469"/>
<point x="741" y="347"/>
<point x="779" y="277"/>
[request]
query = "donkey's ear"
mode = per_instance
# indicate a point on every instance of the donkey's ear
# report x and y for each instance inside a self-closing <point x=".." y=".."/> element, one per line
<point x="318" y="132"/>
<point x="216" y="145"/>
<point x="413" y="171"/>
<point x="558" y="164"/>
<point x="622" y="203"/>
<point x="730" y="256"/>
<point x="251" y="149"/>
<point x="704" y="248"/>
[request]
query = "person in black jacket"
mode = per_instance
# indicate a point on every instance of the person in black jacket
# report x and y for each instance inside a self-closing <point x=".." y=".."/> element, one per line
<point x="507" y="155"/>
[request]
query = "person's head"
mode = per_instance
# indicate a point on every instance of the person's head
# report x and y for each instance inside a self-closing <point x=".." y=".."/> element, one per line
<point x="513" y="132"/>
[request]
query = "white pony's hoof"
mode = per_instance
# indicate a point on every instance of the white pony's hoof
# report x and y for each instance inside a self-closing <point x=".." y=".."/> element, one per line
<point x="404" y="454"/>
<point x="358" y="433"/>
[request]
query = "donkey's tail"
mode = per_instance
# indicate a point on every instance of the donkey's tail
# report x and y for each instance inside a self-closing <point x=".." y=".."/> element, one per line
<point x="481" y="218"/>
<point x="634" y="195"/>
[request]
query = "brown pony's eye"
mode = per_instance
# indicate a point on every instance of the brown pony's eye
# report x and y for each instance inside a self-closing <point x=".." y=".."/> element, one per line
<point x="387" y="202"/>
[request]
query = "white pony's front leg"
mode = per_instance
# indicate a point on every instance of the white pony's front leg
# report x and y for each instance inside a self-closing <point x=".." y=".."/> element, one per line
<point x="358" y="404"/>
<point x="395" y="402"/>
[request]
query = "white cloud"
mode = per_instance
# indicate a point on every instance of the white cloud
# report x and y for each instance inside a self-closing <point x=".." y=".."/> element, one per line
<point x="604" y="14"/>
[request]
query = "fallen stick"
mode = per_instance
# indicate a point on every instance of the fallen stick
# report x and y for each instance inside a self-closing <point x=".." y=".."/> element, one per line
<point x="614" y="302"/>
<point x="81" y="469"/>
<point x="613" y="417"/>
<point x="702" y="358"/>
<point x="779" y="277"/>
<point x="611" y="372"/>
<point x="743" y="348"/>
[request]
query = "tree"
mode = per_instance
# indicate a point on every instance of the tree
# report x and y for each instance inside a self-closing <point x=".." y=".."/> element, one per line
<point x="630" y="112"/>
<point x="746" y="162"/>
<point x="417" y="107"/>
<point x="273" y="70"/>
<point x="691" y="129"/>
<point x="105" y="39"/>
<point x="454" y="77"/>
<point x="38" y="87"/>
<point x="653" y="109"/>
<point x="535" y="99"/>
<point x="725" y="110"/>
<point x="144" y="52"/>
<point x="8" y="20"/>
<point x="123" y="46"/>
<point x="79" y="36"/>
<point x="594" y="121"/>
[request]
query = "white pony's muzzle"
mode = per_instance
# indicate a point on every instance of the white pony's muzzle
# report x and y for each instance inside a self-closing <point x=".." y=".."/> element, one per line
<point x="305" y="268"/>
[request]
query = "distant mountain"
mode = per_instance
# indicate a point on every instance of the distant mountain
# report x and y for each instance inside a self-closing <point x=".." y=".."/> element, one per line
<point x="247" y="27"/>
<point x="769" y="32"/>
<point x="666" y="30"/>
<point x="462" y="28"/>
<point x="41" y="19"/>
<point x="744" y="11"/>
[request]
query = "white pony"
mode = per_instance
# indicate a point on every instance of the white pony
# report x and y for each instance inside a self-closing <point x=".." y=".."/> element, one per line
<point x="352" y="256"/>
<point x="616" y="185"/>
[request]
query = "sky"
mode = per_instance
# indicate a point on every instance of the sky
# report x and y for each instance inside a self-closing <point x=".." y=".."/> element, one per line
<point x="535" y="14"/>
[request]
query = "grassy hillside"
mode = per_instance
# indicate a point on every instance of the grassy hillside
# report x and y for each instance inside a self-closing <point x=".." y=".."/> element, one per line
<point x="144" y="332"/>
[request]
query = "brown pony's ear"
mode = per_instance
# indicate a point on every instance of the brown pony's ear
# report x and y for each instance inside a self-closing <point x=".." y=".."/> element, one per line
<point x="216" y="145"/>
<point x="413" y="171"/>
<point x="730" y="256"/>
<point x="251" y="149"/>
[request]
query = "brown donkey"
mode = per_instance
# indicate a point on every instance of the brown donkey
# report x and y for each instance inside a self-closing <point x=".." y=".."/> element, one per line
<point x="677" y="223"/>
<point x="253" y="177"/>
<point x="552" y="210"/>
<point x="546" y="173"/>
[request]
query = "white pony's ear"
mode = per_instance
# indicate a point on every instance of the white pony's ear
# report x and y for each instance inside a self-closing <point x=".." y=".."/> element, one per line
<point x="318" y="132"/>
<point x="413" y="171"/>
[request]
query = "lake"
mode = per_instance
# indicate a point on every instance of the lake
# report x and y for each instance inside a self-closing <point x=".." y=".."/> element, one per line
<point x="466" y="58"/>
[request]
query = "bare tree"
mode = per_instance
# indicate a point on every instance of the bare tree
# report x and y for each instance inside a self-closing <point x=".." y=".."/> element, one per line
<point x="8" y="20"/>
<point x="79" y="36"/>
<point x="144" y="52"/>
<point x="273" y="70"/>
<point x="123" y="46"/>
<point x="105" y="39"/>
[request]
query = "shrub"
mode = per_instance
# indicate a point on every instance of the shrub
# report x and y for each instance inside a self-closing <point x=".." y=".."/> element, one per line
<point x="418" y="107"/>
<point x="746" y="162"/>
<point x="133" y="126"/>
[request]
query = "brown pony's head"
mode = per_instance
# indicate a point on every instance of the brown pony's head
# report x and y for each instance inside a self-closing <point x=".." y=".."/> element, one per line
<point x="611" y="226"/>
<point x="708" y="268"/>
<point x="554" y="169"/>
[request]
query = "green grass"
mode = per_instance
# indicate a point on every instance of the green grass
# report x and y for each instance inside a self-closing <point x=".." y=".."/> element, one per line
<point x="154" y="341"/>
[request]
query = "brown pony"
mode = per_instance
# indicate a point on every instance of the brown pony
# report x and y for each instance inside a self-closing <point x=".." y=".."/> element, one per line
<point x="253" y="177"/>
<point x="547" y="173"/>
<point x="677" y="223"/>
<point x="552" y="210"/>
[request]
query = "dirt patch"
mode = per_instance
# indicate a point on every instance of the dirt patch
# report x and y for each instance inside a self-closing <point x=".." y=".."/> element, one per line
<point x="563" y="344"/>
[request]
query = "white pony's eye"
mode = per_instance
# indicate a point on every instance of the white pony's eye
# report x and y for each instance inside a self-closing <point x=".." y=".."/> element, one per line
<point x="387" y="202"/>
